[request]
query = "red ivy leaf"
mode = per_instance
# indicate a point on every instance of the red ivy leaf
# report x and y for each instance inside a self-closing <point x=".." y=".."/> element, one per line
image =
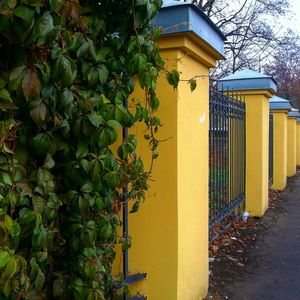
<point x="31" y="85"/>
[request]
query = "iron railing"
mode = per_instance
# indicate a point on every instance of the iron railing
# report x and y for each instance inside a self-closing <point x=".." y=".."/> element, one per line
<point x="271" y="149"/>
<point x="226" y="157"/>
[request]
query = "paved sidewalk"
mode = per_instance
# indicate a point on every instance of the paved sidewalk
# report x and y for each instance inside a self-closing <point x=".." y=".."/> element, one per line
<point x="274" y="273"/>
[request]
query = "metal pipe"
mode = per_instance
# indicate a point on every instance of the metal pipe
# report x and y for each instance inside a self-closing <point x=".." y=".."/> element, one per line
<point x="125" y="211"/>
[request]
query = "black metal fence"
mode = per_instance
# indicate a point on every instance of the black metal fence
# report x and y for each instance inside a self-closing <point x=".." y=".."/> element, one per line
<point x="226" y="157"/>
<point x="271" y="149"/>
<point x="128" y="278"/>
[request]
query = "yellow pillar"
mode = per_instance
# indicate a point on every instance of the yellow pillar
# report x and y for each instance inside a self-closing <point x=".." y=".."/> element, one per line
<point x="257" y="151"/>
<point x="291" y="146"/>
<point x="170" y="231"/>
<point x="257" y="89"/>
<point x="280" y="149"/>
<point x="298" y="143"/>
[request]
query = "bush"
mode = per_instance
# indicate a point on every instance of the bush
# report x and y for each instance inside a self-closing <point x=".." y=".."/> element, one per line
<point x="67" y="70"/>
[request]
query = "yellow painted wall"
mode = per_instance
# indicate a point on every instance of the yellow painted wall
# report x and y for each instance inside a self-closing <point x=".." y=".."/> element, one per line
<point x="193" y="121"/>
<point x="170" y="231"/>
<point x="291" y="147"/>
<point x="280" y="149"/>
<point x="154" y="229"/>
<point x="298" y="145"/>
<point x="257" y="151"/>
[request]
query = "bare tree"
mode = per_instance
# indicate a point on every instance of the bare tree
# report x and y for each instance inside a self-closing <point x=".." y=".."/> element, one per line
<point x="249" y="26"/>
<point x="285" y="69"/>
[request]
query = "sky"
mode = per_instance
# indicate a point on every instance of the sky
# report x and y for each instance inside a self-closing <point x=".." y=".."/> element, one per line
<point x="294" y="22"/>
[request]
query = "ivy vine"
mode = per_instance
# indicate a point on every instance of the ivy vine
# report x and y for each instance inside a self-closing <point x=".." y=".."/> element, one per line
<point x="67" y="68"/>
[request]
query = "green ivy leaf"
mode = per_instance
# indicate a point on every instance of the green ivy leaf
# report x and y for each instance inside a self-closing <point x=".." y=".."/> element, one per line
<point x="3" y="82"/>
<point x="173" y="78"/>
<point x="25" y="13"/>
<point x="82" y="151"/>
<point x="99" y="203"/>
<point x="111" y="179"/>
<point x="82" y="49"/>
<point x="56" y="5"/>
<point x="38" y="114"/>
<point x="85" y="165"/>
<point x="45" y="180"/>
<point x="39" y="237"/>
<point x="96" y="119"/>
<point x="26" y="216"/>
<point x="59" y="287"/>
<point x="122" y="151"/>
<point x="114" y="124"/>
<point x="193" y="84"/>
<point x="102" y="73"/>
<point x="62" y="71"/>
<point x="44" y="26"/>
<point x="66" y="71"/>
<point x="106" y="230"/>
<point x="87" y="188"/>
<point x="35" y="3"/>
<point x="41" y="143"/>
<point x="131" y="143"/>
<point x="49" y="162"/>
<point x="15" y="233"/>
<point x="4" y="258"/>
<point x="5" y="95"/>
<point x="78" y="287"/>
<point x="6" y="6"/>
<point x="38" y="203"/>
<point x="83" y="205"/>
<point x="15" y="78"/>
<point x="7" y="288"/>
<point x="67" y="98"/>
<point x="141" y="2"/>
<point x="154" y="102"/>
<point x="92" y="76"/>
<point x="6" y="179"/>
<point x="11" y="268"/>
<point x="92" y="49"/>
<point x="102" y="53"/>
<point x="139" y="62"/>
<point x="96" y="170"/>
<point x="104" y="139"/>
<point x="140" y="18"/>
<point x="8" y="223"/>
<point x="39" y="281"/>
<point x="6" y="104"/>
<point x="90" y="296"/>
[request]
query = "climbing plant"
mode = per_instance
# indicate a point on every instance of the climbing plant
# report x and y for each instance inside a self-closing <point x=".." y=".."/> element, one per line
<point x="67" y="70"/>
